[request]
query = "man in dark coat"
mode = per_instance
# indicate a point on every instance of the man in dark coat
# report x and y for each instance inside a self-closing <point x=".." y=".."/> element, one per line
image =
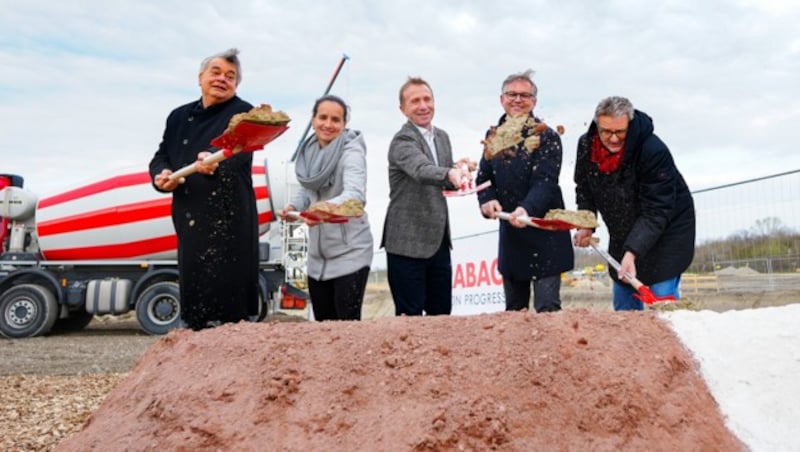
<point x="626" y="173"/>
<point x="525" y="182"/>
<point x="213" y="211"/>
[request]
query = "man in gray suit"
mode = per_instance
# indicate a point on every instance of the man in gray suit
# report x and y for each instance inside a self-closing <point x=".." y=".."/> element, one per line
<point x="416" y="233"/>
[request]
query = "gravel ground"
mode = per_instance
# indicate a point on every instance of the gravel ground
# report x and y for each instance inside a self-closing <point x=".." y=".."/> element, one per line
<point x="50" y="385"/>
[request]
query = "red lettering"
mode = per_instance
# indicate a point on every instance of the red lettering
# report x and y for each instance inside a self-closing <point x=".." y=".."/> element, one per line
<point x="458" y="277"/>
<point x="472" y="274"/>
<point x="483" y="274"/>
<point x="496" y="276"/>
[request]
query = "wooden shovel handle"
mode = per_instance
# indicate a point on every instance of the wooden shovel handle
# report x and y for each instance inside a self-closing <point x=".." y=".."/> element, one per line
<point x="216" y="157"/>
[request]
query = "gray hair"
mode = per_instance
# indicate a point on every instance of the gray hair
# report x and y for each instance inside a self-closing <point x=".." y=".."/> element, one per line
<point x="231" y="57"/>
<point x="614" y="106"/>
<point x="526" y="76"/>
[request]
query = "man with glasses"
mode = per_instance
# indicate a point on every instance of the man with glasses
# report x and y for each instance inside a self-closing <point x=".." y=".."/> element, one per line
<point x="525" y="183"/>
<point x="626" y="173"/>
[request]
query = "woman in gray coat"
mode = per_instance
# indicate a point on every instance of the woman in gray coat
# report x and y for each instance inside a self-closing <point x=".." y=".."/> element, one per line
<point x="331" y="167"/>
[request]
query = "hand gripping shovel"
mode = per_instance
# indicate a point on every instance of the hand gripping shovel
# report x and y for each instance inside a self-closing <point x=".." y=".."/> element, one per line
<point x="467" y="187"/>
<point x="248" y="136"/>
<point x="645" y="295"/>
<point x="541" y="223"/>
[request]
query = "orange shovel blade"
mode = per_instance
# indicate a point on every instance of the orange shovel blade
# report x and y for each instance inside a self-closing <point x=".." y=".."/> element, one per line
<point x="553" y="225"/>
<point x="251" y="136"/>
<point x="647" y="296"/>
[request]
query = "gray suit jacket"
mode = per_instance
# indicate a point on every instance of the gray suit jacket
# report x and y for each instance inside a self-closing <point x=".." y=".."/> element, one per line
<point x="416" y="219"/>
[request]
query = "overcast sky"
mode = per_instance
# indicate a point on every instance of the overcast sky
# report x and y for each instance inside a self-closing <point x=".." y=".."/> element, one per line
<point x="87" y="85"/>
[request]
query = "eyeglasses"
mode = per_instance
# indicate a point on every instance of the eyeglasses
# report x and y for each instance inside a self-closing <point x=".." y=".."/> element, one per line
<point x="606" y="134"/>
<point x="521" y="96"/>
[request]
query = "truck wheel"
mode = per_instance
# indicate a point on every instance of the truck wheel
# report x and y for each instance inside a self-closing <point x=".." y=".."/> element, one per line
<point x="158" y="309"/>
<point x="263" y="310"/>
<point x="27" y="310"/>
<point x="75" y="322"/>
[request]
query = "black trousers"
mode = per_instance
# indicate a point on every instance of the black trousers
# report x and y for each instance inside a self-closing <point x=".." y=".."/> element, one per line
<point x="546" y="297"/>
<point x="338" y="298"/>
<point x="421" y="285"/>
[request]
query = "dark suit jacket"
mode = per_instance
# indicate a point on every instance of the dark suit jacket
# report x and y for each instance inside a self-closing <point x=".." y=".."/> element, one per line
<point x="416" y="219"/>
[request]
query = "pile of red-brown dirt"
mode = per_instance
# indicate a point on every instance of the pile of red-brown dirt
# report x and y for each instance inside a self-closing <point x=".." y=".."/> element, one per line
<point x="572" y="380"/>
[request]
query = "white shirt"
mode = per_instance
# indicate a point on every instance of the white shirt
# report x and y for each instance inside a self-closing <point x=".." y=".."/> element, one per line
<point x="429" y="135"/>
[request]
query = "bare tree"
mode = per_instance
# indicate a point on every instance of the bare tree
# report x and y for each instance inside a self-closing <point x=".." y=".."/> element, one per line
<point x="769" y="227"/>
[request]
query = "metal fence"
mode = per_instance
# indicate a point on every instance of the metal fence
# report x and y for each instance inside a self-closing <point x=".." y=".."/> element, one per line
<point x="748" y="234"/>
<point x="748" y="237"/>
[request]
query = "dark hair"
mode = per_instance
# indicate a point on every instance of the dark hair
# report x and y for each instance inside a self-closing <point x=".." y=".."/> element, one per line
<point x="413" y="81"/>
<point x="231" y="56"/>
<point x="331" y="98"/>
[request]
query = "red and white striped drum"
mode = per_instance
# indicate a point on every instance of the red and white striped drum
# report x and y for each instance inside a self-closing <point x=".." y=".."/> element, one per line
<point x="121" y="217"/>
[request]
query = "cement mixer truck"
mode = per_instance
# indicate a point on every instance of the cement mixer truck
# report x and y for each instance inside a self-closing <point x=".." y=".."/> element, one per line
<point x="108" y="247"/>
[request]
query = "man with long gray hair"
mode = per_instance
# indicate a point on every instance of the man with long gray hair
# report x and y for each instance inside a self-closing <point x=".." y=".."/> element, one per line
<point x="627" y="174"/>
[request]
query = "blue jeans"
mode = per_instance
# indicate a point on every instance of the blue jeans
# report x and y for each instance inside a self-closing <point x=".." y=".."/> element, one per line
<point x="623" y="293"/>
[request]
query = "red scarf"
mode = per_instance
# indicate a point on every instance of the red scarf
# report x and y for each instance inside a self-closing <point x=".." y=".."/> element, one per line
<point x="606" y="161"/>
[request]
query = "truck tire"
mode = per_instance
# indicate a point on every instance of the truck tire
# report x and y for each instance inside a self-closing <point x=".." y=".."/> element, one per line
<point x="75" y="322"/>
<point x="158" y="308"/>
<point x="263" y="310"/>
<point x="27" y="310"/>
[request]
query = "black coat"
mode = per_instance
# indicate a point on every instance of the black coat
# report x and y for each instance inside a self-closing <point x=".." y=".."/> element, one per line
<point x="215" y="218"/>
<point x="530" y="180"/>
<point x="645" y="203"/>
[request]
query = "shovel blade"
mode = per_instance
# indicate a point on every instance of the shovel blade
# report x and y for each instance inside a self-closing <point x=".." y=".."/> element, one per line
<point x="324" y="217"/>
<point x="553" y="225"/>
<point x="251" y="136"/>
<point x="647" y="296"/>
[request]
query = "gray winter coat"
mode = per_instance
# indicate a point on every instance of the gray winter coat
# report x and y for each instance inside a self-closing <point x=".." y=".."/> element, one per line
<point x="336" y="250"/>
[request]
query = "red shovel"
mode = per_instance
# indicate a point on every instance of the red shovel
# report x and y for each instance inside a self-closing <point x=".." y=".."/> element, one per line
<point x="541" y="223"/>
<point x="248" y="136"/>
<point x="319" y="217"/>
<point x="467" y="189"/>
<point x="645" y="295"/>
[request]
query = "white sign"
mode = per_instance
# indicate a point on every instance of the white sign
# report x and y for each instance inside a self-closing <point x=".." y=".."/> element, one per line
<point x="477" y="285"/>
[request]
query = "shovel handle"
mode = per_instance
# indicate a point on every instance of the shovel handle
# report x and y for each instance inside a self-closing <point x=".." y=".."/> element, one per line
<point x="216" y="157"/>
<point x="292" y="215"/>
<point x="524" y="219"/>
<point x="635" y="283"/>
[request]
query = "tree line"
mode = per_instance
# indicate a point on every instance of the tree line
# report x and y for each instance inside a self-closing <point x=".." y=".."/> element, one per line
<point x="767" y="246"/>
